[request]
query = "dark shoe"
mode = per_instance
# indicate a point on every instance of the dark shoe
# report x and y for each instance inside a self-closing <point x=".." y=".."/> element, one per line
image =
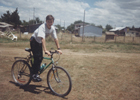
<point x="36" y="78"/>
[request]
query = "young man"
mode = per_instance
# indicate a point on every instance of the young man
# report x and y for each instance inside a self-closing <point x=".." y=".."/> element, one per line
<point x="37" y="41"/>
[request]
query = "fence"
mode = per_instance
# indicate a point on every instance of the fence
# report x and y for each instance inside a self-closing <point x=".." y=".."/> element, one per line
<point x="117" y="39"/>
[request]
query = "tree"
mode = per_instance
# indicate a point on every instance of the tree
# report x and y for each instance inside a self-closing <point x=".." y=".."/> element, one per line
<point x="38" y="20"/>
<point x="100" y="26"/>
<point x="11" y="18"/>
<point x="133" y="27"/>
<point x="108" y="27"/>
<point x="31" y="22"/>
<point x="70" y="27"/>
<point x="59" y="27"/>
<point x="15" y="19"/>
<point x="6" y="17"/>
<point x="79" y="21"/>
<point x="92" y="24"/>
<point x="24" y="23"/>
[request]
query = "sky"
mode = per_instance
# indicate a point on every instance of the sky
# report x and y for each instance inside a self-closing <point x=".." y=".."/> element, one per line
<point x="117" y="13"/>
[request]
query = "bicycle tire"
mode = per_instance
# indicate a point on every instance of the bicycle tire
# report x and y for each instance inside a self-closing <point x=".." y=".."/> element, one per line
<point x="23" y="71"/>
<point x="57" y="72"/>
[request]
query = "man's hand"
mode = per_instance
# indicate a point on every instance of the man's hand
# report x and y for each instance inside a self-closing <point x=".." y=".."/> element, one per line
<point x="59" y="51"/>
<point x="48" y="53"/>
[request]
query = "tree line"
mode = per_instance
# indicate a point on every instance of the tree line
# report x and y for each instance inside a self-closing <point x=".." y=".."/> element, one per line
<point x="14" y="19"/>
<point x="11" y="18"/>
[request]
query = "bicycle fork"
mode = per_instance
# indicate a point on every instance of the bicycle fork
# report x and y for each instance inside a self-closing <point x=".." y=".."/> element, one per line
<point x="55" y="74"/>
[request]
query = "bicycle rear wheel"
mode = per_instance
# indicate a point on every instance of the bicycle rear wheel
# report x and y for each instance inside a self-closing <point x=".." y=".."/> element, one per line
<point x="59" y="81"/>
<point x="21" y="72"/>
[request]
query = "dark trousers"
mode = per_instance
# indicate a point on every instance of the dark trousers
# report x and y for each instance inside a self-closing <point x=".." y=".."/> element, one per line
<point x="37" y="54"/>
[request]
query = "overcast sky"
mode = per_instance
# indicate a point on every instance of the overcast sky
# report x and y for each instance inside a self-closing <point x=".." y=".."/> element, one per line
<point x="100" y="12"/>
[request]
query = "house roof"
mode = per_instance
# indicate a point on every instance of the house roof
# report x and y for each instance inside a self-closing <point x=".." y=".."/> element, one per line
<point x="117" y="29"/>
<point x="3" y="25"/>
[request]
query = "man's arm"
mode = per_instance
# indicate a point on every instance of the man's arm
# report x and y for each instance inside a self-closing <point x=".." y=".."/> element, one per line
<point x="57" y="43"/>
<point x="58" y="46"/>
<point x="44" y="46"/>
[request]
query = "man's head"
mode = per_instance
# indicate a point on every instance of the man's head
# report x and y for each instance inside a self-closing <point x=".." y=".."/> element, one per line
<point x="49" y="21"/>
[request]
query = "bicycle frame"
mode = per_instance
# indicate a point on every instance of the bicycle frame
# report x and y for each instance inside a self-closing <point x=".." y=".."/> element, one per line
<point x="29" y="59"/>
<point x="52" y="62"/>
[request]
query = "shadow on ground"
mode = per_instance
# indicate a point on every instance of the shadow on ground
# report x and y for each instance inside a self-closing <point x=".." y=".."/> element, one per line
<point x="36" y="89"/>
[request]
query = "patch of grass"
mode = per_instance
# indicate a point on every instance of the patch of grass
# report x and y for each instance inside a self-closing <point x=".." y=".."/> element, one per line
<point x="76" y="45"/>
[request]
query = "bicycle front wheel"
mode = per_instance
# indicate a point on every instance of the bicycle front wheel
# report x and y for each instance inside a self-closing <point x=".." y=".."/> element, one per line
<point x="21" y="72"/>
<point x="59" y="81"/>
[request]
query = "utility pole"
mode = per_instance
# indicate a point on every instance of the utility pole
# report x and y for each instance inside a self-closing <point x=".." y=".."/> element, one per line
<point x="83" y="27"/>
<point x="33" y="15"/>
<point x="60" y="22"/>
<point x="64" y="26"/>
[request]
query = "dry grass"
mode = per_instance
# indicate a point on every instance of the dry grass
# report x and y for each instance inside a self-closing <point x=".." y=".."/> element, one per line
<point x="95" y="76"/>
<point x="99" y="71"/>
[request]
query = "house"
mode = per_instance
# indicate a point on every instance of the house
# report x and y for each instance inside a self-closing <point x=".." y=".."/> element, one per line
<point x="119" y="31"/>
<point x="4" y="26"/>
<point x="78" y="25"/>
<point x="29" y="28"/>
<point x="132" y="32"/>
<point x="89" y="31"/>
<point x="126" y="31"/>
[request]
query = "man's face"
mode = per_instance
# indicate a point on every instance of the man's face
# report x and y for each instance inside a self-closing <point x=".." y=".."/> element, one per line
<point x="49" y="23"/>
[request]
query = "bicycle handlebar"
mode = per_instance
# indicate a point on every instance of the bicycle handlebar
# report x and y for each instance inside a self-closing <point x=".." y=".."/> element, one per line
<point x="53" y="52"/>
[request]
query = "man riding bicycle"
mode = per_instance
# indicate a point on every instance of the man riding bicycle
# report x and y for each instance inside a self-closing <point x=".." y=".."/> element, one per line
<point x="37" y="41"/>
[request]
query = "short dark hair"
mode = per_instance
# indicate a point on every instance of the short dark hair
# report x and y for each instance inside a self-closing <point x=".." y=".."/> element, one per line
<point x="49" y="17"/>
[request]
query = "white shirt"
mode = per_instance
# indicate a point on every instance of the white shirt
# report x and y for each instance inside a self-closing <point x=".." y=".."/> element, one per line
<point x="42" y="31"/>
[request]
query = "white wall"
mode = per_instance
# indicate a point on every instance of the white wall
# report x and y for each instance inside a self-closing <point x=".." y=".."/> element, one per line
<point x="90" y="31"/>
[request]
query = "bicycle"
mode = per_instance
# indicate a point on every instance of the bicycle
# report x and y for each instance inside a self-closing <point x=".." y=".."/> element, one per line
<point x="58" y="79"/>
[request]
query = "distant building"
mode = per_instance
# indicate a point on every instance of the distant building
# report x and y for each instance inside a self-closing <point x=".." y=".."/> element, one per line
<point x="89" y="31"/>
<point x="126" y="31"/>
<point x="29" y="28"/>
<point x="119" y="31"/>
<point x="4" y="26"/>
<point x="78" y="25"/>
<point x="109" y="36"/>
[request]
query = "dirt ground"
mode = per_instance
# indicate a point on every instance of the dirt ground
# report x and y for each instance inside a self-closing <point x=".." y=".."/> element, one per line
<point x="95" y="76"/>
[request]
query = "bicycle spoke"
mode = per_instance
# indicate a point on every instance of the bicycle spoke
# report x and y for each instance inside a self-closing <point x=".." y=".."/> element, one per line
<point x="21" y="72"/>
<point x="59" y="81"/>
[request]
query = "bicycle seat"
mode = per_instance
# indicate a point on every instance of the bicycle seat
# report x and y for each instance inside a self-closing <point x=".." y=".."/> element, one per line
<point x="28" y="49"/>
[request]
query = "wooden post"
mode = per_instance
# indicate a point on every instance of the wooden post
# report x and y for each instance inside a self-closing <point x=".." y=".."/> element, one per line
<point x="105" y="38"/>
<point x="71" y="37"/>
<point x="83" y="27"/>
<point x="133" y="39"/>
<point x="115" y="39"/>
<point x="124" y="39"/>
<point x="94" y="38"/>
<point x="20" y="35"/>
<point x="139" y="38"/>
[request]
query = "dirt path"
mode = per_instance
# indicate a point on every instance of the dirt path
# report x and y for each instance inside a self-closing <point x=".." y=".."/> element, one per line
<point x="21" y="52"/>
<point x="95" y="76"/>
